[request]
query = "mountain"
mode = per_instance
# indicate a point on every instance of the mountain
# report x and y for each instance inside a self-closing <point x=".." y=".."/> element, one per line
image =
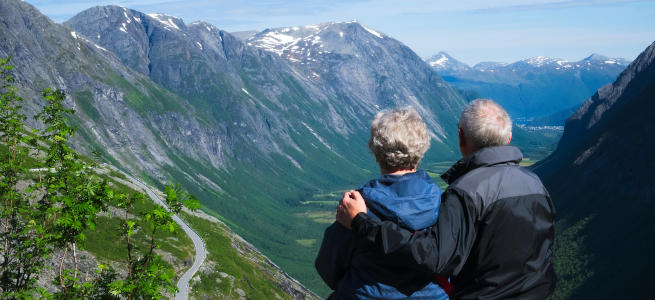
<point x="260" y="130"/>
<point x="535" y="87"/>
<point x="244" y="35"/>
<point x="347" y="61"/>
<point x="444" y="62"/>
<point x="605" y="201"/>
<point x="122" y="114"/>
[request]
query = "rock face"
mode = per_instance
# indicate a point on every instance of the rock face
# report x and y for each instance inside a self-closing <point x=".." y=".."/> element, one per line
<point x="349" y="62"/>
<point x="251" y="128"/>
<point x="100" y="88"/>
<point x="602" y="169"/>
<point x="344" y="70"/>
<point x="532" y="88"/>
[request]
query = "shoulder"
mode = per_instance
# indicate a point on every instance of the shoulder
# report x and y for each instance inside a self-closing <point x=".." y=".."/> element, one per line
<point x="506" y="178"/>
<point x="486" y="185"/>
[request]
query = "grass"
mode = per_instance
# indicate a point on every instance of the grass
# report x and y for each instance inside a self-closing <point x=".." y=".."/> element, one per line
<point x="306" y="242"/>
<point x="321" y="217"/>
<point x="527" y="162"/>
<point x="106" y="244"/>
<point x="231" y="269"/>
<point x="84" y="100"/>
<point x="435" y="170"/>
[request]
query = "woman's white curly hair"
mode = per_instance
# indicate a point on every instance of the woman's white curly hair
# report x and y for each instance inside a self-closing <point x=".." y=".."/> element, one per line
<point x="399" y="138"/>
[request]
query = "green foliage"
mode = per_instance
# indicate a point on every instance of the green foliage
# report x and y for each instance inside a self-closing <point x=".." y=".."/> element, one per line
<point x="23" y="237"/>
<point x="148" y="277"/>
<point x="572" y="264"/>
<point x="73" y="193"/>
<point x="54" y="212"/>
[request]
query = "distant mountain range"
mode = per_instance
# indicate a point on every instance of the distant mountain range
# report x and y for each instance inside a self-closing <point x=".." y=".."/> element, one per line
<point x="532" y="88"/>
<point x="601" y="180"/>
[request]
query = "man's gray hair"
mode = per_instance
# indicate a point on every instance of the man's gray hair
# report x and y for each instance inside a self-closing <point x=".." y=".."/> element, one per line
<point x="485" y="124"/>
<point x="399" y="138"/>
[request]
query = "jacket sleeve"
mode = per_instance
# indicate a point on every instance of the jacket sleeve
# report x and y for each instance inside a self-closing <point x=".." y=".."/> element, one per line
<point x="442" y="249"/>
<point x="333" y="258"/>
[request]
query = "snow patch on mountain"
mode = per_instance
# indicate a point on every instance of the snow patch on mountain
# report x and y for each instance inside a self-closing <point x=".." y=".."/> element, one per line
<point x="373" y="32"/>
<point x="276" y="42"/>
<point x="307" y="43"/>
<point x="167" y="21"/>
<point x="539" y="61"/>
<point x="439" y="62"/>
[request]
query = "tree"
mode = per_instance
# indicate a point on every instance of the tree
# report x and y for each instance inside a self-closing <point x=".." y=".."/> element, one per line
<point x="148" y="277"/>
<point x="55" y="210"/>
<point x="24" y="239"/>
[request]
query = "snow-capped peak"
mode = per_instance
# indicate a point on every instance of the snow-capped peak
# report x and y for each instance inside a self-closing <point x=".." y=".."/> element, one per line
<point x="598" y="58"/>
<point x="167" y="21"/>
<point x="539" y="61"/>
<point x="440" y="61"/>
<point x="444" y="62"/>
<point x="305" y="44"/>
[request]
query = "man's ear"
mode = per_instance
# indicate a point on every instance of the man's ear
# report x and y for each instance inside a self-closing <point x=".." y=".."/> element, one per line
<point x="510" y="138"/>
<point x="461" y="136"/>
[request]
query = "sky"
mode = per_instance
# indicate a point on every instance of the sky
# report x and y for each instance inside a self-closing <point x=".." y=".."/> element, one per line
<point x="469" y="30"/>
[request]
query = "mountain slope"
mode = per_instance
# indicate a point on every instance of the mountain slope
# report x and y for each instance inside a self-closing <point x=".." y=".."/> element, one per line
<point x="608" y="185"/>
<point x="252" y="134"/>
<point x="534" y="87"/>
<point x="349" y="62"/>
<point x="135" y="123"/>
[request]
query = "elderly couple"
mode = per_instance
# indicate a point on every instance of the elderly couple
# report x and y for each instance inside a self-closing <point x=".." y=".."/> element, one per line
<point x="488" y="236"/>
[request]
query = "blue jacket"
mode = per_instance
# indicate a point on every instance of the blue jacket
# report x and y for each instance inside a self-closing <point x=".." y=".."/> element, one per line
<point x="355" y="270"/>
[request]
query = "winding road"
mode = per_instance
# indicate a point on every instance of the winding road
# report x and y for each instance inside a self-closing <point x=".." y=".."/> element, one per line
<point x="198" y="244"/>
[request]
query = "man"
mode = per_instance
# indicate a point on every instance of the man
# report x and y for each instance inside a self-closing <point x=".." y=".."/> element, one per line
<point x="495" y="228"/>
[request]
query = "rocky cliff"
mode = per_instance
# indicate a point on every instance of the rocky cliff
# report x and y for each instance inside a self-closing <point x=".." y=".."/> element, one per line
<point x="600" y="178"/>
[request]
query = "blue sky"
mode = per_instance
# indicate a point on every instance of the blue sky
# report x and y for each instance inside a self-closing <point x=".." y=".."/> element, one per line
<point x="469" y="30"/>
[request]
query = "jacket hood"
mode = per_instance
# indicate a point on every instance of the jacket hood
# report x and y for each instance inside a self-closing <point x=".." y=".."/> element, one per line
<point x="411" y="200"/>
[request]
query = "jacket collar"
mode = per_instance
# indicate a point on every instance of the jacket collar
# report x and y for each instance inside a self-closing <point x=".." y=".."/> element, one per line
<point x="484" y="157"/>
<point x="410" y="200"/>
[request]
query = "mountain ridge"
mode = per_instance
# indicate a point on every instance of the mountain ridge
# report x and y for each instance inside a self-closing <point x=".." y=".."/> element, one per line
<point x="536" y="87"/>
<point x="608" y="188"/>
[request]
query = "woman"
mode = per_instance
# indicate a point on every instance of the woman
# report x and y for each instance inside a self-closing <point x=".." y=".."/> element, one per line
<point x="399" y="138"/>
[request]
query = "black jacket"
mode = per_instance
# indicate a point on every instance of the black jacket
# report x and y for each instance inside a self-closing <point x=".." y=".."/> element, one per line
<point x="493" y="236"/>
